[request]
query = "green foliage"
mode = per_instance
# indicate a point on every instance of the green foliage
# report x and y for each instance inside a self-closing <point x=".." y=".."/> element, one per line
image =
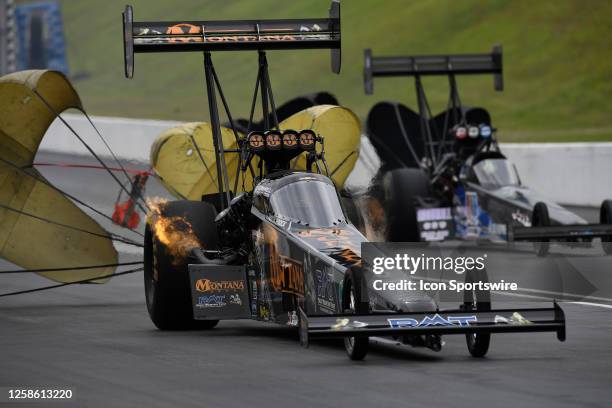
<point x="558" y="74"/>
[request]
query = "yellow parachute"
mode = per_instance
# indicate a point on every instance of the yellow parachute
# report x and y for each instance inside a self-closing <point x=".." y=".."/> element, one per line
<point x="175" y="159"/>
<point x="25" y="240"/>
<point x="30" y="102"/>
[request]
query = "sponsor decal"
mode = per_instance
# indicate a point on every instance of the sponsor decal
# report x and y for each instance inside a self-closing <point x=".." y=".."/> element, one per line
<point x="279" y="221"/>
<point x="435" y="224"/>
<point x="314" y="27"/>
<point x="187" y="33"/>
<point x="326" y="293"/>
<point x="235" y="299"/>
<point x="436" y="320"/>
<point x="190" y="33"/>
<point x="292" y="319"/>
<point x="264" y="313"/>
<point x="207" y="285"/>
<point x="211" y="301"/>
<point x="183" y="28"/>
<point x="286" y="274"/>
<point x="347" y="324"/>
<point x="340" y="324"/>
<point x="515" y="319"/>
<point x="521" y="218"/>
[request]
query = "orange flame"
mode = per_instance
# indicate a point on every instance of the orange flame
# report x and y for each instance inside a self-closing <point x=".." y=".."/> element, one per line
<point x="175" y="233"/>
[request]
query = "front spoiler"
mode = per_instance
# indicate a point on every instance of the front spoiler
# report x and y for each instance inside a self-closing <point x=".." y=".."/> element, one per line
<point x="559" y="232"/>
<point x="441" y="322"/>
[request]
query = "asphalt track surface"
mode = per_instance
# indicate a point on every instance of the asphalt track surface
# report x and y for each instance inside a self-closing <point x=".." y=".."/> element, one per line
<point x="98" y="341"/>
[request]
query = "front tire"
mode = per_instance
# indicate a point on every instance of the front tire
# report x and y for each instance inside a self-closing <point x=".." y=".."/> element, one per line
<point x="540" y="218"/>
<point x="479" y="301"/>
<point x="605" y="217"/>
<point x="355" y="301"/>
<point x="166" y="276"/>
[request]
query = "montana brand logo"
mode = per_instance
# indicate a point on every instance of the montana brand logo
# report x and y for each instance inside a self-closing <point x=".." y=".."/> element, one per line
<point x="286" y="274"/>
<point x="207" y="285"/>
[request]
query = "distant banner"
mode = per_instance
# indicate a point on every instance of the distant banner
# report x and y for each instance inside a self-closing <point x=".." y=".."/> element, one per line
<point x="40" y="36"/>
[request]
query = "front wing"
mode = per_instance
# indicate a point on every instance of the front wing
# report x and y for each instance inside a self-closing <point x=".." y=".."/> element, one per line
<point x="441" y="322"/>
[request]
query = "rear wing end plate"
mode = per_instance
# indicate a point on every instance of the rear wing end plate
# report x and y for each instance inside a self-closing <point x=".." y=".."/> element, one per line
<point x="442" y="322"/>
<point x="427" y="65"/>
<point x="231" y="35"/>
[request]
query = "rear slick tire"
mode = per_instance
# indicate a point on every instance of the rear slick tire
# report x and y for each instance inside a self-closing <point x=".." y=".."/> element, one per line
<point x="166" y="277"/>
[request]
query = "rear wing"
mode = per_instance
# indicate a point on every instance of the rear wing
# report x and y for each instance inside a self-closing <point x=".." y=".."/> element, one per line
<point x="234" y="35"/>
<point x="462" y="64"/>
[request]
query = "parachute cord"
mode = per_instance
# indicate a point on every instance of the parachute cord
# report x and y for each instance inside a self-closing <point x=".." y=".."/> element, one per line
<point x="169" y="187"/>
<point x="59" y="116"/>
<point x="195" y="145"/>
<point x="47" y="183"/>
<point x="75" y="268"/>
<point x="111" y="236"/>
<point x="108" y="147"/>
<point x="21" y="292"/>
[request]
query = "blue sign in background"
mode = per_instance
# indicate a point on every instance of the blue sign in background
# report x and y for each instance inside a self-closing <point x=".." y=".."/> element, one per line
<point x="40" y="36"/>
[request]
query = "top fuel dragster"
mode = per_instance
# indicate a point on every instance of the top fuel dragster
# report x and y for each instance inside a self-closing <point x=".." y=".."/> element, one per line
<point x="445" y="177"/>
<point x="281" y="249"/>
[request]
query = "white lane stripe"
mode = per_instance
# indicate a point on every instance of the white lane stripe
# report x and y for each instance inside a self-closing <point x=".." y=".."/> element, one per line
<point x="603" y="299"/>
<point x="562" y="301"/>
<point x="592" y="304"/>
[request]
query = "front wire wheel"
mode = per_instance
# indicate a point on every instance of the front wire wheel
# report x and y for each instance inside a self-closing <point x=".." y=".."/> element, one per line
<point x="540" y="218"/>
<point x="605" y="217"/>
<point x="478" y="301"/>
<point x="356" y="346"/>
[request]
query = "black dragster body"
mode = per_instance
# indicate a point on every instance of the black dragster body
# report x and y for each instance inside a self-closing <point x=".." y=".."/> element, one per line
<point x="444" y="176"/>
<point x="301" y="265"/>
<point x="284" y="250"/>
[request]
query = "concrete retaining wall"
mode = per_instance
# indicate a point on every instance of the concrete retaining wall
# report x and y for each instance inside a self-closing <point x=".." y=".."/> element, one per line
<point x="130" y="139"/>
<point x="569" y="173"/>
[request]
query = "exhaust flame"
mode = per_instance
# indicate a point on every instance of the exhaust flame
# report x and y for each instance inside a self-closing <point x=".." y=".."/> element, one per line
<point x="175" y="232"/>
